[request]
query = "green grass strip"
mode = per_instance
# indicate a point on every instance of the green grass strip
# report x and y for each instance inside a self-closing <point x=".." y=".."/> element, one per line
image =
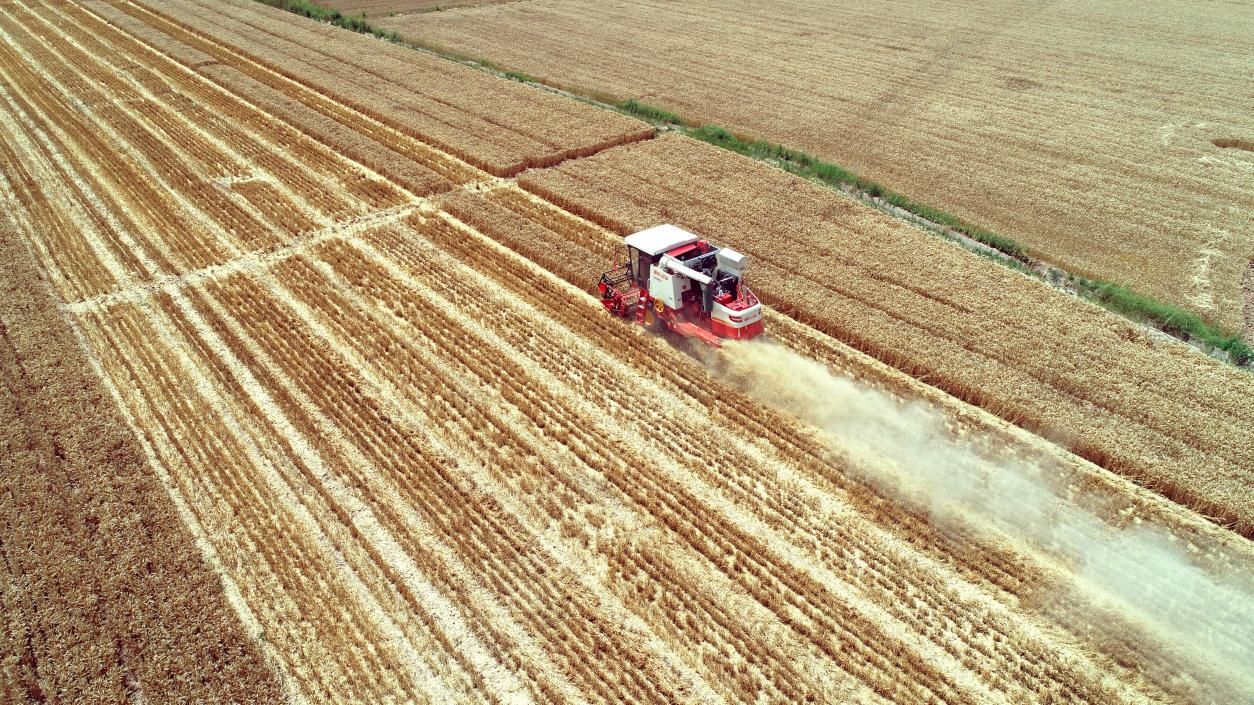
<point x="648" y="113"/>
<point x="359" y="24"/>
<point x="1169" y="319"/>
<point x="507" y="73"/>
<point x="815" y="169"/>
<point x="314" y="11"/>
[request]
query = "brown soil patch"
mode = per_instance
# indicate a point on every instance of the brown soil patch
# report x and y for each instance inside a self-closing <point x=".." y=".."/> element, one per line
<point x="1233" y="143"/>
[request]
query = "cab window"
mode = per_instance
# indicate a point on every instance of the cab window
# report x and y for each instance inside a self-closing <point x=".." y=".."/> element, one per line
<point x="641" y="262"/>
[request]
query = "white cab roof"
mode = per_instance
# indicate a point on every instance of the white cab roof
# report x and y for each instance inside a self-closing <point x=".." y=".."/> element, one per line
<point x="659" y="239"/>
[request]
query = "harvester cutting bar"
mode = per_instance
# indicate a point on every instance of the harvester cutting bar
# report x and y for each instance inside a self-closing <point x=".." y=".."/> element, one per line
<point x="619" y="293"/>
<point x="617" y="277"/>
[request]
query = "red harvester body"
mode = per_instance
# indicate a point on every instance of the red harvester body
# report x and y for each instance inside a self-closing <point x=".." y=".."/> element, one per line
<point x="673" y="280"/>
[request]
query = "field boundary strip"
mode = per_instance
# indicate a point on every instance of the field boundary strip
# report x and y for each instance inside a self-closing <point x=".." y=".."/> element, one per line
<point x="1121" y="299"/>
<point x="247" y="261"/>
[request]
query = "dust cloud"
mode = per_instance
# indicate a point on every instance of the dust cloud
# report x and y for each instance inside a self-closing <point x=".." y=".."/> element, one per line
<point x="1202" y="623"/>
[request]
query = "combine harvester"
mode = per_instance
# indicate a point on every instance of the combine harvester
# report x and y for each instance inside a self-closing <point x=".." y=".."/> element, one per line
<point x="673" y="280"/>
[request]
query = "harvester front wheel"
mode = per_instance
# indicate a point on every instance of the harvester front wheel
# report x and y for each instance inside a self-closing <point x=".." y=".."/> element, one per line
<point x="657" y="324"/>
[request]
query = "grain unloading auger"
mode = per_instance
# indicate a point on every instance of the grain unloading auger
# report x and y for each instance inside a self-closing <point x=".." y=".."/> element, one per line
<point x="673" y="280"/>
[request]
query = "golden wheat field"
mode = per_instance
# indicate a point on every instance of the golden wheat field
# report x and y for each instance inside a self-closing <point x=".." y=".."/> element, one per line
<point x="1105" y="137"/>
<point x="306" y="401"/>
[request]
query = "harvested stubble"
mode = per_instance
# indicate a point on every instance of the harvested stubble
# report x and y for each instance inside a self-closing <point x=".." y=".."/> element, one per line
<point x="433" y="471"/>
<point x="498" y="126"/>
<point x="411" y="164"/>
<point x="1145" y="407"/>
<point x="106" y="598"/>
<point x="419" y="172"/>
<point x="1083" y="131"/>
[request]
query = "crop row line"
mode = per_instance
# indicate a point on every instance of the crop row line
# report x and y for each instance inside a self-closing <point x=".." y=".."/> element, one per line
<point x="343" y="495"/>
<point x="175" y="187"/>
<point x="403" y="401"/>
<point x="569" y="402"/>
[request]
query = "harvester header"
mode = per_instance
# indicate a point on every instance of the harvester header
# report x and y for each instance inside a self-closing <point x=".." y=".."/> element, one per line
<point x="674" y="280"/>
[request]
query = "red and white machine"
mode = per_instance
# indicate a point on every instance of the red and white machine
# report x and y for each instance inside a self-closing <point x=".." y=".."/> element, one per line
<point x="673" y="280"/>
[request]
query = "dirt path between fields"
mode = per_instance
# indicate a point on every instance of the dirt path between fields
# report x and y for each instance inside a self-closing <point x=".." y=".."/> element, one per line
<point x="1247" y="289"/>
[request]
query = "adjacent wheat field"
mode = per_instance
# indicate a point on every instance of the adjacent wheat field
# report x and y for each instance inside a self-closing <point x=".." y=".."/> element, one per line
<point x="424" y="466"/>
<point x="1090" y="133"/>
<point x="1058" y="366"/>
